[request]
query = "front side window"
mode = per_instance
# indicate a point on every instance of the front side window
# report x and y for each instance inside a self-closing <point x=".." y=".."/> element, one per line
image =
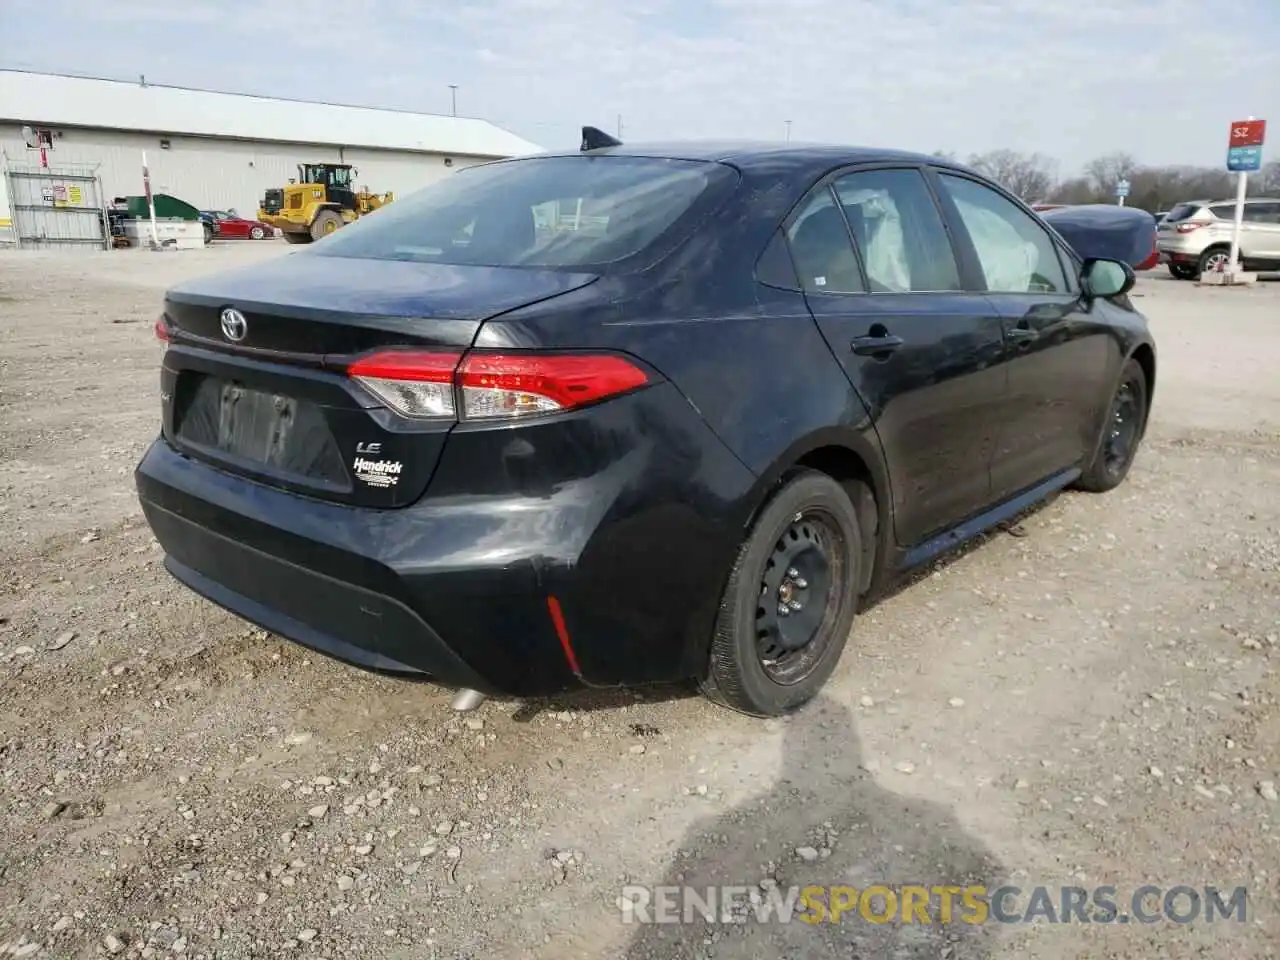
<point x="898" y="229"/>
<point x="564" y="212"/>
<point x="1017" y="254"/>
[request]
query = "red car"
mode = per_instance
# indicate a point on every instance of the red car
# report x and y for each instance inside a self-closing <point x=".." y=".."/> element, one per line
<point x="228" y="226"/>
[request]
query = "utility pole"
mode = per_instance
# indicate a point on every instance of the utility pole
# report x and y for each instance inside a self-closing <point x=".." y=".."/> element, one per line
<point x="788" y="123"/>
<point x="453" y="94"/>
<point x="619" y="126"/>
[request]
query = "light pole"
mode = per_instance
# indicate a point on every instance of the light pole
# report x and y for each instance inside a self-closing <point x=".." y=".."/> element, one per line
<point x="788" y="124"/>
<point x="453" y="95"/>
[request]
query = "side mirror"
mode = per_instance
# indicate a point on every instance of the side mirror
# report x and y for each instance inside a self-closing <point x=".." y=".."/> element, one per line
<point x="1107" y="278"/>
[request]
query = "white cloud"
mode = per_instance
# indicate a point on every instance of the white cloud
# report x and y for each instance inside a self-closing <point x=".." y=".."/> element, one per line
<point x="1073" y="80"/>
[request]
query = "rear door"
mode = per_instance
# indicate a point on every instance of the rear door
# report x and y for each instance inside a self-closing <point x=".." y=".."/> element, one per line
<point x="1060" y="356"/>
<point x="1260" y="236"/>
<point x="232" y="227"/>
<point x="923" y="354"/>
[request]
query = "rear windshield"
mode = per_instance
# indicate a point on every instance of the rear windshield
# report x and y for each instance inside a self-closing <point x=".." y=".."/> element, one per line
<point x="1182" y="211"/>
<point x="540" y="211"/>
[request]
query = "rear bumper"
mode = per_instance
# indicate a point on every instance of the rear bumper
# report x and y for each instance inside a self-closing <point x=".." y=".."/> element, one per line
<point x="1176" y="251"/>
<point x="459" y="587"/>
<point x="305" y="570"/>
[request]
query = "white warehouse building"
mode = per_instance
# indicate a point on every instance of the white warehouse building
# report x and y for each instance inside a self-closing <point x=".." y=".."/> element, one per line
<point x="219" y="151"/>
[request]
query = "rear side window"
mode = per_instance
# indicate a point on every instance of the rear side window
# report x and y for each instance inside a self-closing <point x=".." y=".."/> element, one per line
<point x="1224" y="211"/>
<point x="1183" y="211"/>
<point x="821" y="248"/>
<point x="543" y="211"/>
<point x="775" y="267"/>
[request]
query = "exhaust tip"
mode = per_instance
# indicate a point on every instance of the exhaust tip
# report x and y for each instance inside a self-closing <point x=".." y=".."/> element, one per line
<point x="464" y="701"/>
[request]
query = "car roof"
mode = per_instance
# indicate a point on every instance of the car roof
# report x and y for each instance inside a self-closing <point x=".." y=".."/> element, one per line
<point x="749" y="154"/>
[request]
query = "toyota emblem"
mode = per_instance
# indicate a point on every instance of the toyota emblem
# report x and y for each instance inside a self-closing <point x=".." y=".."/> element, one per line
<point x="234" y="325"/>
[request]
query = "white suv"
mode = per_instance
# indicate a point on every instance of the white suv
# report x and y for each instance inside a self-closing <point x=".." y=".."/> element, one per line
<point x="1195" y="237"/>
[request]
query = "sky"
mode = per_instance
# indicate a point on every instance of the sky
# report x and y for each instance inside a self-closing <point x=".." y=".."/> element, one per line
<point x="1159" y="79"/>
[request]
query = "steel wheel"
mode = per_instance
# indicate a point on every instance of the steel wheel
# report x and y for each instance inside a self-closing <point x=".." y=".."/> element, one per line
<point x="800" y="594"/>
<point x="1121" y="433"/>
<point x="1123" y="430"/>
<point x="791" y="597"/>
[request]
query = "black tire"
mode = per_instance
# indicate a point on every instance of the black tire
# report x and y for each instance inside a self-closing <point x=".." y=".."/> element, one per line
<point x="740" y="672"/>
<point x="256" y="233"/>
<point x="1209" y="258"/>
<point x="208" y="234"/>
<point x="1182" y="272"/>
<point x="297" y="237"/>
<point x="325" y="223"/>
<point x="1122" y="432"/>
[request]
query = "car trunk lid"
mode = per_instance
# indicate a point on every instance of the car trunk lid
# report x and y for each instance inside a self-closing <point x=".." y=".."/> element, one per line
<point x="266" y="394"/>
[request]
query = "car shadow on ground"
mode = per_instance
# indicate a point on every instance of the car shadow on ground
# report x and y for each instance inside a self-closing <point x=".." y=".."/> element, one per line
<point x="863" y="835"/>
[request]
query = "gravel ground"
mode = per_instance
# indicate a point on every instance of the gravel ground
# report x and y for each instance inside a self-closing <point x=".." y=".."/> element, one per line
<point x="1089" y="697"/>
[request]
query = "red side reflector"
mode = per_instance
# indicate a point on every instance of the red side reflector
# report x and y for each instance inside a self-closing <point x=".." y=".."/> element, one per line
<point x="557" y="620"/>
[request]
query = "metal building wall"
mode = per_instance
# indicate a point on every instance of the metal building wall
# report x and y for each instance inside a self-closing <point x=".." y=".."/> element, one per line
<point x="220" y="174"/>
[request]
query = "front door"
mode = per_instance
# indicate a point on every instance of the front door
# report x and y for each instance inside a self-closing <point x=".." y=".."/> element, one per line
<point x="923" y="354"/>
<point x="339" y="188"/>
<point x="1058" y="350"/>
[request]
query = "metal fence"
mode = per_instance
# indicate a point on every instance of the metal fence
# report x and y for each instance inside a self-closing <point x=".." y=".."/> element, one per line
<point x="56" y="207"/>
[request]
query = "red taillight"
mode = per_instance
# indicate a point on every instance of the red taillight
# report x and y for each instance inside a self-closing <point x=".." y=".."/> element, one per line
<point x="162" y="330"/>
<point x="1189" y="227"/>
<point x="513" y="385"/>
<point x="429" y="384"/>
<point x="1154" y="256"/>
<point x="414" y="383"/>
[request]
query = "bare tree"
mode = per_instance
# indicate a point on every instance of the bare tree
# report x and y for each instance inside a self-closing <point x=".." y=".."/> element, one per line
<point x="1032" y="177"/>
<point x="1105" y="172"/>
<point x="1075" y="190"/>
<point x="1029" y="176"/>
<point x="1267" y="180"/>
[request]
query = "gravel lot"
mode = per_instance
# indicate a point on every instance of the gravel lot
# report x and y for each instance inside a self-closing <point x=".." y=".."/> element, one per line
<point x="1088" y="698"/>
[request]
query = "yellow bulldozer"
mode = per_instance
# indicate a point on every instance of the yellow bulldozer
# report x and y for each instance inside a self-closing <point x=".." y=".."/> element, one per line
<point x="321" y="200"/>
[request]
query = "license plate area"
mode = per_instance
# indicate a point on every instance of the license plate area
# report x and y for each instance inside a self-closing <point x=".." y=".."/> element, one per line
<point x="258" y="431"/>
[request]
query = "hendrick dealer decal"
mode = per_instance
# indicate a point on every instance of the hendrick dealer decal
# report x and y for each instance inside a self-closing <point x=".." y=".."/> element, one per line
<point x="377" y="473"/>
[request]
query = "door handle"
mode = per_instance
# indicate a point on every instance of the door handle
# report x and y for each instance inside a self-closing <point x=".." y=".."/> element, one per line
<point x="1022" y="334"/>
<point x="870" y="346"/>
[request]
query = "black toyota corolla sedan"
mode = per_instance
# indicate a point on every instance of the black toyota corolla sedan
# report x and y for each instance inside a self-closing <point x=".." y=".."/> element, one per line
<point x="634" y="414"/>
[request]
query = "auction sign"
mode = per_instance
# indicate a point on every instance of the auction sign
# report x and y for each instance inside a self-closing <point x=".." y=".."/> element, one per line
<point x="1244" y="146"/>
